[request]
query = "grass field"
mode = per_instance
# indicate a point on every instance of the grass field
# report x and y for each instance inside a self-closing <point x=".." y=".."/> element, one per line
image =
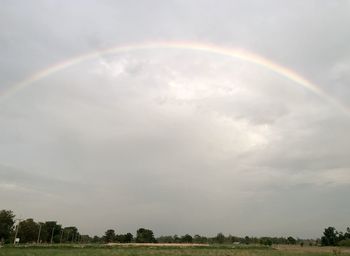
<point x="171" y="251"/>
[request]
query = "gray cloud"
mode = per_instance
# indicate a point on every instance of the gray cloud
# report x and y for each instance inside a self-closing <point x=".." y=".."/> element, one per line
<point x="175" y="140"/>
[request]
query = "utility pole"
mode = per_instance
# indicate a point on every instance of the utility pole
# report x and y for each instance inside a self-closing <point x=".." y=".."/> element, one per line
<point x="17" y="227"/>
<point x="39" y="234"/>
<point x="53" y="229"/>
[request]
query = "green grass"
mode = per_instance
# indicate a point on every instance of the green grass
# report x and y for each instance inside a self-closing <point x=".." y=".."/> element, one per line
<point x="154" y="251"/>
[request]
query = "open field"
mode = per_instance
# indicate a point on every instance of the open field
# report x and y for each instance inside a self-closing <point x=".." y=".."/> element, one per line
<point x="157" y="245"/>
<point x="174" y="250"/>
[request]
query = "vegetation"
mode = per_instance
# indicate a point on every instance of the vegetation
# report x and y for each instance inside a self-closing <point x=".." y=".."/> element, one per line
<point x="109" y="236"/>
<point x="145" y="236"/>
<point x="50" y="232"/>
<point x="6" y="225"/>
<point x="331" y="237"/>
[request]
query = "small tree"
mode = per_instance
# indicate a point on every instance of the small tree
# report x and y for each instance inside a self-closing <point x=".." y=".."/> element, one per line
<point x="96" y="239"/>
<point x="266" y="241"/>
<point x="124" y="238"/>
<point x="347" y="233"/>
<point x="145" y="236"/>
<point x="291" y="240"/>
<point x="128" y="237"/>
<point x="186" y="239"/>
<point x="200" y="239"/>
<point x="165" y="239"/>
<point x="330" y="237"/>
<point x="220" y="238"/>
<point x="109" y="236"/>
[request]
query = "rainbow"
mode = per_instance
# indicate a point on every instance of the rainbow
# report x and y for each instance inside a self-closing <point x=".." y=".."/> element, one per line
<point x="209" y="48"/>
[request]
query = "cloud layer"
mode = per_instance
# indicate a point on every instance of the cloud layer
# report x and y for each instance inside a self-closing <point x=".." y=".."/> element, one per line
<point x="176" y="141"/>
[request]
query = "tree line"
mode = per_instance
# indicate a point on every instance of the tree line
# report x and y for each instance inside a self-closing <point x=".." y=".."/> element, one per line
<point x="29" y="231"/>
<point x="332" y="237"/>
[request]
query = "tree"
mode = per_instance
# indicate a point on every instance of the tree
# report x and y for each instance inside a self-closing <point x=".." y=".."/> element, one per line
<point x="50" y="230"/>
<point x="220" y="238"/>
<point x="28" y="231"/>
<point x="85" y="239"/>
<point x="145" y="236"/>
<point x="330" y="237"/>
<point x="266" y="241"/>
<point x="6" y="225"/>
<point x="186" y="239"/>
<point x="291" y="240"/>
<point x="128" y="238"/>
<point x="200" y="239"/>
<point x="109" y="236"/>
<point x="165" y="239"/>
<point x="70" y="234"/>
<point x="347" y="233"/>
<point x="176" y="239"/>
<point x="96" y="239"/>
<point x="124" y="238"/>
<point x="46" y="231"/>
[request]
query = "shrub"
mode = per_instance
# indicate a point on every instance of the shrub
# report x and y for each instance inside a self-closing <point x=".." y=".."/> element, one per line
<point x="345" y="242"/>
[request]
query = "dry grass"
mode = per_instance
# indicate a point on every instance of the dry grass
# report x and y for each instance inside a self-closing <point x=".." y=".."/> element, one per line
<point x="157" y="245"/>
<point x="315" y="249"/>
<point x="172" y="250"/>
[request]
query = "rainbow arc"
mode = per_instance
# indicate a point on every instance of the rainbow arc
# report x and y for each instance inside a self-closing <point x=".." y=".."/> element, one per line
<point x="209" y="48"/>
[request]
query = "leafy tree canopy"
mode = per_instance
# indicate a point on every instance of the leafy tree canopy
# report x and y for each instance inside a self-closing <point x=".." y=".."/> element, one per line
<point x="6" y="225"/>
<point x="145" y="236"/>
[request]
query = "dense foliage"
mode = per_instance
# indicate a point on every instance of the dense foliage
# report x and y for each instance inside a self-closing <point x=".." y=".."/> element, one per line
<point x="6" y="225"/>
<point x="145" y="236"/>
<point x="332" y="237"/>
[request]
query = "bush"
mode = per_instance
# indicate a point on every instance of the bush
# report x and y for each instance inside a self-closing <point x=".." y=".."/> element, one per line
<point x="345" y="242"/>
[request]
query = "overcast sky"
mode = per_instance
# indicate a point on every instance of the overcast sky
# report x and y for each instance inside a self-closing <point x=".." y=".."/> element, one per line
<point x="178" y="141"/>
